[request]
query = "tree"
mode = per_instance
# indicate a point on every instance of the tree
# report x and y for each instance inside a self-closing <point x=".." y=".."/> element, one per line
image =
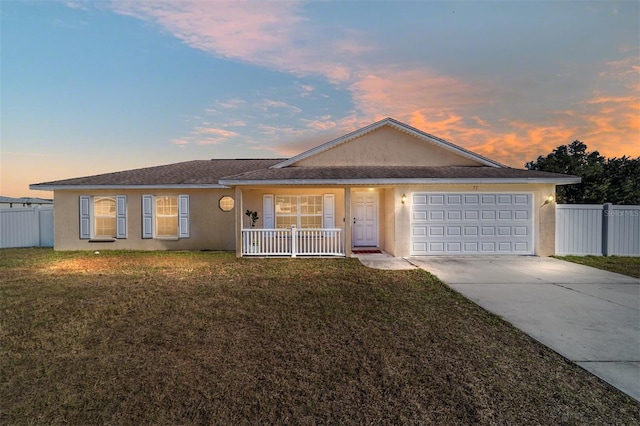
<point x="623" y="180"/>
<point x="614" y="180"/>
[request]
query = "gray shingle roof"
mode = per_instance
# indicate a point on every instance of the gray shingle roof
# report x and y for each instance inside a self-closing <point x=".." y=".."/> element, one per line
<point x="258" y="171"/>
<point x="197" y="172"/>
<point x="391" y="173"/>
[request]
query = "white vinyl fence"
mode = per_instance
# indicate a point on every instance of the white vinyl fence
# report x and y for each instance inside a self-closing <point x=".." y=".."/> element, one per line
<point x="26" y="227"/>
<point x="597" y="229"/>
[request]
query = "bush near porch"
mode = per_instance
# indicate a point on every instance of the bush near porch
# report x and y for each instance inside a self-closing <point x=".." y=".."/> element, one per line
<point x="192" y="337"/>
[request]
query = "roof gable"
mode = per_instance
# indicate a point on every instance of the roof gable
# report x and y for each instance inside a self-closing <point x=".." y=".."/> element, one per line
<point x="388" y="142"/>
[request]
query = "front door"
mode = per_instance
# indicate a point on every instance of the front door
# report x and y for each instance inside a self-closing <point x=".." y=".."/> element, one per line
<point x="365" y="221"/>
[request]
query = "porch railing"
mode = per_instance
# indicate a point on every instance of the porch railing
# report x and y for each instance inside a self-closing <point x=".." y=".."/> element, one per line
<point x="293" y="242"/>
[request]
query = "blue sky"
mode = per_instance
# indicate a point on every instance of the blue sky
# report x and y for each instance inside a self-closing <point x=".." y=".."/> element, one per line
<point x="93" y="87"/>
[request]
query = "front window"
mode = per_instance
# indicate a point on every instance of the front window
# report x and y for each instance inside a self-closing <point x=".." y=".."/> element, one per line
<point x="304" y="211"/>
<point x="167" y="216"/>
<point x="104" y="212"/>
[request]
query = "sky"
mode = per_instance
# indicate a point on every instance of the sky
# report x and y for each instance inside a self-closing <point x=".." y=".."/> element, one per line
<point x="91" y="87"/>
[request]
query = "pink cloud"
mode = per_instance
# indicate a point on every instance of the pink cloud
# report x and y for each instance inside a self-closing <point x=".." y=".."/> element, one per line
<point x="400" y="92"/>
<point x="269" y="104"/>
<point x="213" y="131"/>
<point x="234" y="29"/>
<point x="272" y="34"/>
<point x="275" y="35"/>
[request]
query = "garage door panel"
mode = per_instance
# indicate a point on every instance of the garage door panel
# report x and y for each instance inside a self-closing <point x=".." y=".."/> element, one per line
<point x="471" y="223"/>
<point x="471" y="215"/>
<point x="471" y="247"/>
<point x="454" y="215"/>
<point x="419" y="200"/>
<point x="436" y="248"/>
<point x="488" y="231"/>
<point x="504" y="231"/>
<point x="504" y="199"/>
<point x="453" y="247"/>
<point x="488" y="215"/>
<point x="521" y="247"/>
<point x="436" y="200"/>
<point x="471" y="199"/>
<point x="504" y="247"/>
<point x="505" y="214"/>
<point x="454" y="199"/>
<point x="419" y="247"/>
<point x="419" y="216"/>
<point x="521" y="199"/>
<point x="520" y="230"/>
<point x="419" y="231"/>
<point x="488" y="199"/>
<point x="436" y="231"/>
<point x="436" y="215"/>
<point x="471" y="230"/>
<point x="454" y="231"/>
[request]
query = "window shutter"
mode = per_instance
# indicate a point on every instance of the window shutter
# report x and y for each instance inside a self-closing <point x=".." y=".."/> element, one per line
<point x="267" y="211"/>
<point x="121" y="216"/>
<point x="183" y="216"/>
<point x="328" y="211"/>
<point x="147" y="216"/>
<point x="85" y="217"/>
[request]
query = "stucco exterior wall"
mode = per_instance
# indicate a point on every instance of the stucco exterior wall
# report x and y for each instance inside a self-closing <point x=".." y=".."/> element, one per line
<point x="213" y="229"/>
<point x="391" y="210"/>
<point x="210" y="227"/>
<point x="387" y="146"/>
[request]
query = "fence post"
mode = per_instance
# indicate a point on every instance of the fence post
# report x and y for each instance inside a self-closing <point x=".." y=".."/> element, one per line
<point x="606" y="222"/>
<point x="294" y="241"/>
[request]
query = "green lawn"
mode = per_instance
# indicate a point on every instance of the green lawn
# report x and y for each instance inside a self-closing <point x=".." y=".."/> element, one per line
<point x="191" y="337"/>
<point x="621" y="264"/>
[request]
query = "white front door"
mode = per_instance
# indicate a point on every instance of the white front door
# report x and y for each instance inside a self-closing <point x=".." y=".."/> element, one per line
<point x="365" y="221"/>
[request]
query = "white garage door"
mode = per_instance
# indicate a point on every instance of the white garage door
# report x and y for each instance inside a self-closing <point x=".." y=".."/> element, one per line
<point x="474" y="223"/>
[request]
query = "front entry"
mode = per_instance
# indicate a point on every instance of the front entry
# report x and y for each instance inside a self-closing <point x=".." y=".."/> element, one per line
<point x="365" y="221"/>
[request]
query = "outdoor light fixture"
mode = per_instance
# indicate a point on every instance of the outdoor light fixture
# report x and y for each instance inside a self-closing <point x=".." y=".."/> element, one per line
<point x="548" y="200"/>
<point x="403" y="199"/>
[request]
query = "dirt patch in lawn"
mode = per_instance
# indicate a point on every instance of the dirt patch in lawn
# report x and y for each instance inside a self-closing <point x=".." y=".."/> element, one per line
<point x="179" y="338"/>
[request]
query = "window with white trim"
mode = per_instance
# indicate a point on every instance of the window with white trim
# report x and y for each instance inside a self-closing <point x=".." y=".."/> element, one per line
<point x="165" y="216"/>
<point x="103" y="217"/>
<point x="303" y="211"/>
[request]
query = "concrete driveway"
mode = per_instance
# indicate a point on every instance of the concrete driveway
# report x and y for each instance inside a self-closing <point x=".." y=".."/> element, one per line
<point x="589" y="316"/>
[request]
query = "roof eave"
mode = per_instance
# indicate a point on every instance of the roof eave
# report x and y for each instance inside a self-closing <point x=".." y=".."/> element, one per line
<point x="55" y="187"/>
<point x="401" y="181"/>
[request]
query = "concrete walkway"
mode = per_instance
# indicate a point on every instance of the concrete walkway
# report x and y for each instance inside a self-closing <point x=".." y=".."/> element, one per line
<point x="589" y="316"/>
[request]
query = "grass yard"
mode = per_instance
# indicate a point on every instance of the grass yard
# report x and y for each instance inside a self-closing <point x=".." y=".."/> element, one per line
<point x="187" y="337"/>
<point x="625" y="265"/>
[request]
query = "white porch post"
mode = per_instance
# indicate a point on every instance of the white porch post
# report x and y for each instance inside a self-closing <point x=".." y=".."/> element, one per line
<point x="348" y="222"/>
<point x="294" y="241"/>
<point x="239" y="218"/>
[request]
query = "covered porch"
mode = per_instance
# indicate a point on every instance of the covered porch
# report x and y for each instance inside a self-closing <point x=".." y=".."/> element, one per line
<point x="314" y="221"/>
